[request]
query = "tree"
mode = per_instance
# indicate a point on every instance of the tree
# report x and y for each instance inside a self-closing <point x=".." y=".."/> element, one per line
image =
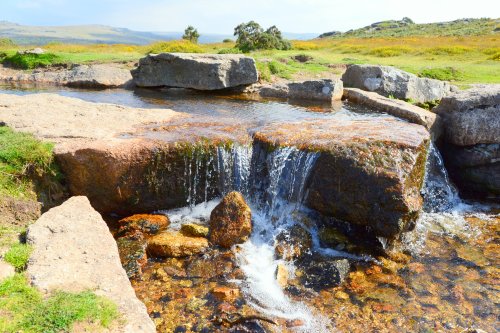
<point x="191" y="34"/>
<point x="251" y="36"/>
<point x="248" y="35"/>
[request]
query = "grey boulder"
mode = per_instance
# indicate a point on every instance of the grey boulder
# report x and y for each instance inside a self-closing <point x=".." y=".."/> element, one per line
<point x="315" y="90"/>
<point x="471" y="141"/>
<point x="73" y="251"/>
<point x="471" y="116"/>
<point x="196" y="71"/>
<point x="390" y="81"/>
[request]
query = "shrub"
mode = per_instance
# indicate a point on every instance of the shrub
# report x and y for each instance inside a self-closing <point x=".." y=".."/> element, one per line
<point x="448" y="50"/>
<point x="304" y="45"/>
<point x="495" y="57"/>
<point x="31" y="61"/>
<point x="183" y="46"/>
<point x="228" y="40"/>
<point x="389" y="51"/>
<point x="443" y="74"/>
<point x="18" y="255"/>
<point x="251" y="36"/>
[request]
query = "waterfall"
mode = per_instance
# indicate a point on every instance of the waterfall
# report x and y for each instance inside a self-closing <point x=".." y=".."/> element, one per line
<point x="440" y="195"/>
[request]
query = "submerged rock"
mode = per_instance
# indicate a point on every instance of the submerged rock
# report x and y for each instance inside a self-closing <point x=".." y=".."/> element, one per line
<point x="74" y="251"/>
<point x="148" y="224"/>
<point x="471" y="140"/>
<point x="175" y="244"/>
<point x="196" y="71"/>
<point x="293" y="243"/>
<point x="230" y="221"/>
<point x="390" y="81"/>
<point x="321" y="272"/>
<point x="132" y="249"/>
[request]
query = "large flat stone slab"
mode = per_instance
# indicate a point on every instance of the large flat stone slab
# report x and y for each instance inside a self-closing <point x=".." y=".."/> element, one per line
<point x="395" y="107"/>
<point x="73" y="250"/>
<point x="369" y="172"/>
<point x="196" y="71"/>
<point x="85" y="76"/>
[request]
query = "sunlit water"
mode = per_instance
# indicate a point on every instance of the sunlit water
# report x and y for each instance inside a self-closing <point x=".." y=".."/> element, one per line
<point x="276" y="198"/>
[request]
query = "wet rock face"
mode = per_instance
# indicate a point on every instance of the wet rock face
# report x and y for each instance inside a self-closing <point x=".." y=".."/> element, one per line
<point x="389" y="81"/>
<point x="145" y="223"/>
<point x="368" y="172"/>
<point x="132" y="249"/>
<point x="230" y="221"/>
<point x="471" y="140"/>
<point x="293" y="243"/>
<point x="196" y="71"/>
<point x="320" y="272"/>
<point x="175" y="244"/>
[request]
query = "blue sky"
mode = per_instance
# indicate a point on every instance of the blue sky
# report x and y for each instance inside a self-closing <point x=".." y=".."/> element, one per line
<point x="221" y="16"/>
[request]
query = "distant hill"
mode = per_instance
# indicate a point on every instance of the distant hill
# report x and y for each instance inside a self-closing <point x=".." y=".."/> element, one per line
<point x="92" y="34"/>
<point x="406" y="27"/>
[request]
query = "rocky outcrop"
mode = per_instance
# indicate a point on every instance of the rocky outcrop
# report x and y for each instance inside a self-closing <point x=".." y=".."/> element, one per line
<point x="395" y="107"/>
<point x="74" y="251"/>
<point x="84" y="76"/>
<point x="314" y="90"/>
<point x="195" y="71"/>
<point x="471" y="140"/>
<point x="389" y="81"/>
<point x="175" y="244"/>
<point x="230" y="221"/>
<point x="369" y="172"/>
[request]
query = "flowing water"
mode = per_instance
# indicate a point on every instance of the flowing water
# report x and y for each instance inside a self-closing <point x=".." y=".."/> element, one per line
<point x="445" y="277"/>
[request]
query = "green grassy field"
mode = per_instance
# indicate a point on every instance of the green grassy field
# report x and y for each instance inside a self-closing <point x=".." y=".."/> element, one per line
<point x="463" y="60"/>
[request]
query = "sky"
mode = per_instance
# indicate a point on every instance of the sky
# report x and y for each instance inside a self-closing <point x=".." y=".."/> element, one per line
<point x="221" y="16"/>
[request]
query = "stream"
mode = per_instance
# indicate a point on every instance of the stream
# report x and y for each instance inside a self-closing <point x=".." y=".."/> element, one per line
<point x="444" y="276"/>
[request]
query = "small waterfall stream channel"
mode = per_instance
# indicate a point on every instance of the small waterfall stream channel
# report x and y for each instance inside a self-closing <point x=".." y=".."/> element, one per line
<point x="297" y="273"/>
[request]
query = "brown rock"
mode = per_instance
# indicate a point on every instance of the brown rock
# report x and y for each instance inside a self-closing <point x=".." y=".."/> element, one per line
<point x="226" y="294"/>
<point x="174" y="244"/>
<point x="146" y="223"/>
<point x="369" y="171"/>
<point x="293" y="243"/>
<point x="194" y="230"/>
<point x="230" y="221"/>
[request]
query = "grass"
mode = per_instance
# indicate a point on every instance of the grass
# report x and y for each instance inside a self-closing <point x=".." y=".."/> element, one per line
<point x="18" y="255"/>
<point x="474" y="57"/>
<point x="24" y="309"/>
<point x="31" y="61"/>
<point x="443" y="74"/>
<point x="23" y="157"/>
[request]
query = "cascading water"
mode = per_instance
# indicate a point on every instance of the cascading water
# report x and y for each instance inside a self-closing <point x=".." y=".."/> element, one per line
<point x="444" y="211"/>
<point x="274" y="184"/>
